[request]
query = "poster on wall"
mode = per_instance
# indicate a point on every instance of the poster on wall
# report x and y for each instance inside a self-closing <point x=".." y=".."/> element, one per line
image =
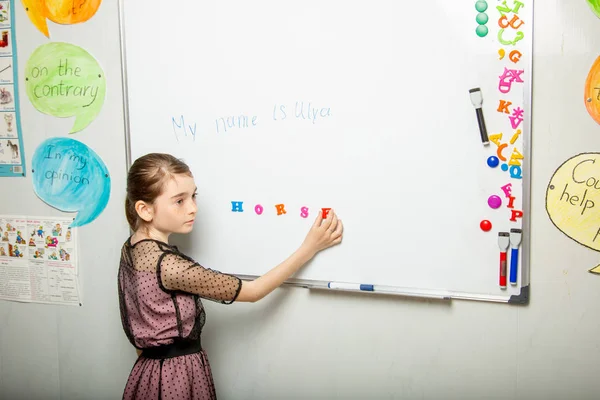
<point x="71" y="177"/>
<point x="64" y="80"/>
<point x="66" y="12"/>
<point x="12" y="158"/>
<point x="38" y="260"/>
<point x="595" y="6"/>
<point x="571" y="200"/>
<point x="591" y="93"/>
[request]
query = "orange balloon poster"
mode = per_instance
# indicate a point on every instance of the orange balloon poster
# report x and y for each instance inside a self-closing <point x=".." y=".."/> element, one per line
<point x="592" y="91"/>
<point x="59" y="11"/>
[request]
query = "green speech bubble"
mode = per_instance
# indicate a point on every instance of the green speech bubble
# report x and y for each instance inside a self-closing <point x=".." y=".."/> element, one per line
<point x="64" y="80"/>
<point x="595" y="5"/>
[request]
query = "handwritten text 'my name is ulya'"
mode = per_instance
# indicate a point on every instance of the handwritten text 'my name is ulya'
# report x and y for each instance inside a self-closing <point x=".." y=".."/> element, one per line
<point x="301" y="111"/>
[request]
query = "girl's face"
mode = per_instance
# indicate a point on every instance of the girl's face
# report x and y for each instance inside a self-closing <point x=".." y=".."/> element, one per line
<point x="174" y="211"/>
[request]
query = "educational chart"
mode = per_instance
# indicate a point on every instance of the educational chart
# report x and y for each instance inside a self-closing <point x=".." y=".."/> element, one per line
<point x="71" y="177"/>
<point x="64" y="80"/>
<point x="38" y="260"/>
<point x="59" y="11"/>
<point x="12" y="157"/>
<point x="414" y="130"/>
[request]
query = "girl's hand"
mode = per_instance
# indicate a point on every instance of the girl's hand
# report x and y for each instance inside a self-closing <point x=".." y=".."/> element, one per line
<point x="324" y="233"/>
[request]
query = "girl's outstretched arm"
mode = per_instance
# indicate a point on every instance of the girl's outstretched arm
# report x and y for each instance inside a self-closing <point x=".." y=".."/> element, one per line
<point x="323" y="234"/>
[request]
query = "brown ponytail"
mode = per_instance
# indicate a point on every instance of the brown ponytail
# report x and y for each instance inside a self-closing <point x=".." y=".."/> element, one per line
<point x="146" y="180"/>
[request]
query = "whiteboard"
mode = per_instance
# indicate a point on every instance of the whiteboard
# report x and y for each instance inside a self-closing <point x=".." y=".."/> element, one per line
<point x="363" y="107"/>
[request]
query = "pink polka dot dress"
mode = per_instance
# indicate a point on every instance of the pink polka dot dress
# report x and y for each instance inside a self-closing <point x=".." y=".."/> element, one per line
<point x="159" y="295"/>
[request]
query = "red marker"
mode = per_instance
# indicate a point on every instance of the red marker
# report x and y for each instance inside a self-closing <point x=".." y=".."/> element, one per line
<point x="503" y="243"/>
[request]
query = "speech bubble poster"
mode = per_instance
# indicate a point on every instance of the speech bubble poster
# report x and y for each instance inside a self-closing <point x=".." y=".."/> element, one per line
<point x="71" y="177"/>
<point x="64" y="12"/>
<point x="591" y="93"/>
<point x="573" y="200"/>
<point x="595" y="6"/>
<point x="64" y="80"/>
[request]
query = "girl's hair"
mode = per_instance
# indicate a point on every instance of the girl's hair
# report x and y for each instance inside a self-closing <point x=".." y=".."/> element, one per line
<point x="146" y="180"/>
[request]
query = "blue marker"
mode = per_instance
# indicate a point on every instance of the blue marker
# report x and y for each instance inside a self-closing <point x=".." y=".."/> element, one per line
<point x="515" y="241"/>
<point x="350" y="286"/>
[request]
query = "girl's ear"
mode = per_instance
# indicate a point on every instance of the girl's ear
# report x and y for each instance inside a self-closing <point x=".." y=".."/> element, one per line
<point x="144" y="210"/>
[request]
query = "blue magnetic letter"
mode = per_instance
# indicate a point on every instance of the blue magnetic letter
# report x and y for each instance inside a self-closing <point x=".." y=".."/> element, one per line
<point x="236" y="206"/>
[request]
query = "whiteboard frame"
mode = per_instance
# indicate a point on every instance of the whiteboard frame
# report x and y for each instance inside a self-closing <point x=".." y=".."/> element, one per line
<point x="521" y="299"/>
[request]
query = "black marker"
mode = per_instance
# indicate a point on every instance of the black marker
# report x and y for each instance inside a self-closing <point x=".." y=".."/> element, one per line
<point x="477" y="100"/>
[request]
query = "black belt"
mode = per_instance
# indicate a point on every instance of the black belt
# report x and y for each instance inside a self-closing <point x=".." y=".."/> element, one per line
<point x="176" y="349"/>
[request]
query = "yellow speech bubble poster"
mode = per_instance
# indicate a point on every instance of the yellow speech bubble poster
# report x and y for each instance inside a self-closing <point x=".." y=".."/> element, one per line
<point x="573" y="199"/>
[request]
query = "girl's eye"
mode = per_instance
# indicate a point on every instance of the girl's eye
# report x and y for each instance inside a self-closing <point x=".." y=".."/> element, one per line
<point x="194" y="195"/>
<point x="180" y="201"/>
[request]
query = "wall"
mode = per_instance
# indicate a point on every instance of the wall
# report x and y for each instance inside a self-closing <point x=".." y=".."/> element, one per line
<point x="301" y="344"/>
<point x="52" y="352"/>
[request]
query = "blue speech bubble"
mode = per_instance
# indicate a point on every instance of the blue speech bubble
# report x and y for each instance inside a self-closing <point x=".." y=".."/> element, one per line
<point x="71" y="177"/>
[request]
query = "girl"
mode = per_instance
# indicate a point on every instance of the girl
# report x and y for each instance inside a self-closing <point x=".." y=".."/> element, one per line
<point x="160" y="288"/>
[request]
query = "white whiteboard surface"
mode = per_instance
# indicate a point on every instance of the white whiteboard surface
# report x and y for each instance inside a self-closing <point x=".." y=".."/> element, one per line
<point x="394" y="147"/>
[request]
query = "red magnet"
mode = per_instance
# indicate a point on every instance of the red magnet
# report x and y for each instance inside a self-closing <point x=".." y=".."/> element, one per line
<point x="485" y="225"/>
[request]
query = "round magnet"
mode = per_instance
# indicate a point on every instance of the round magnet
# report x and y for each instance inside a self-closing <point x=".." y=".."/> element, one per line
<point x="481" y="6"/>
<point x="481" y="30"/>
<point x="494" y="201"/>
<point x="482" y="18"/>
<point x="493" y="161"/>
<point x="485" y="225"/>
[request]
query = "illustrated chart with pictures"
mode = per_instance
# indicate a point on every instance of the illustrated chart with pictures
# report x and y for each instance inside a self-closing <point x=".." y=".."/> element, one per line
<point x="38" y="260"/>
<point x="12" y="158"/>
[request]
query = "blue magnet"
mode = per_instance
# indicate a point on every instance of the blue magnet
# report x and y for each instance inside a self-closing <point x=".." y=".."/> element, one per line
<point x="493" y="161"/>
